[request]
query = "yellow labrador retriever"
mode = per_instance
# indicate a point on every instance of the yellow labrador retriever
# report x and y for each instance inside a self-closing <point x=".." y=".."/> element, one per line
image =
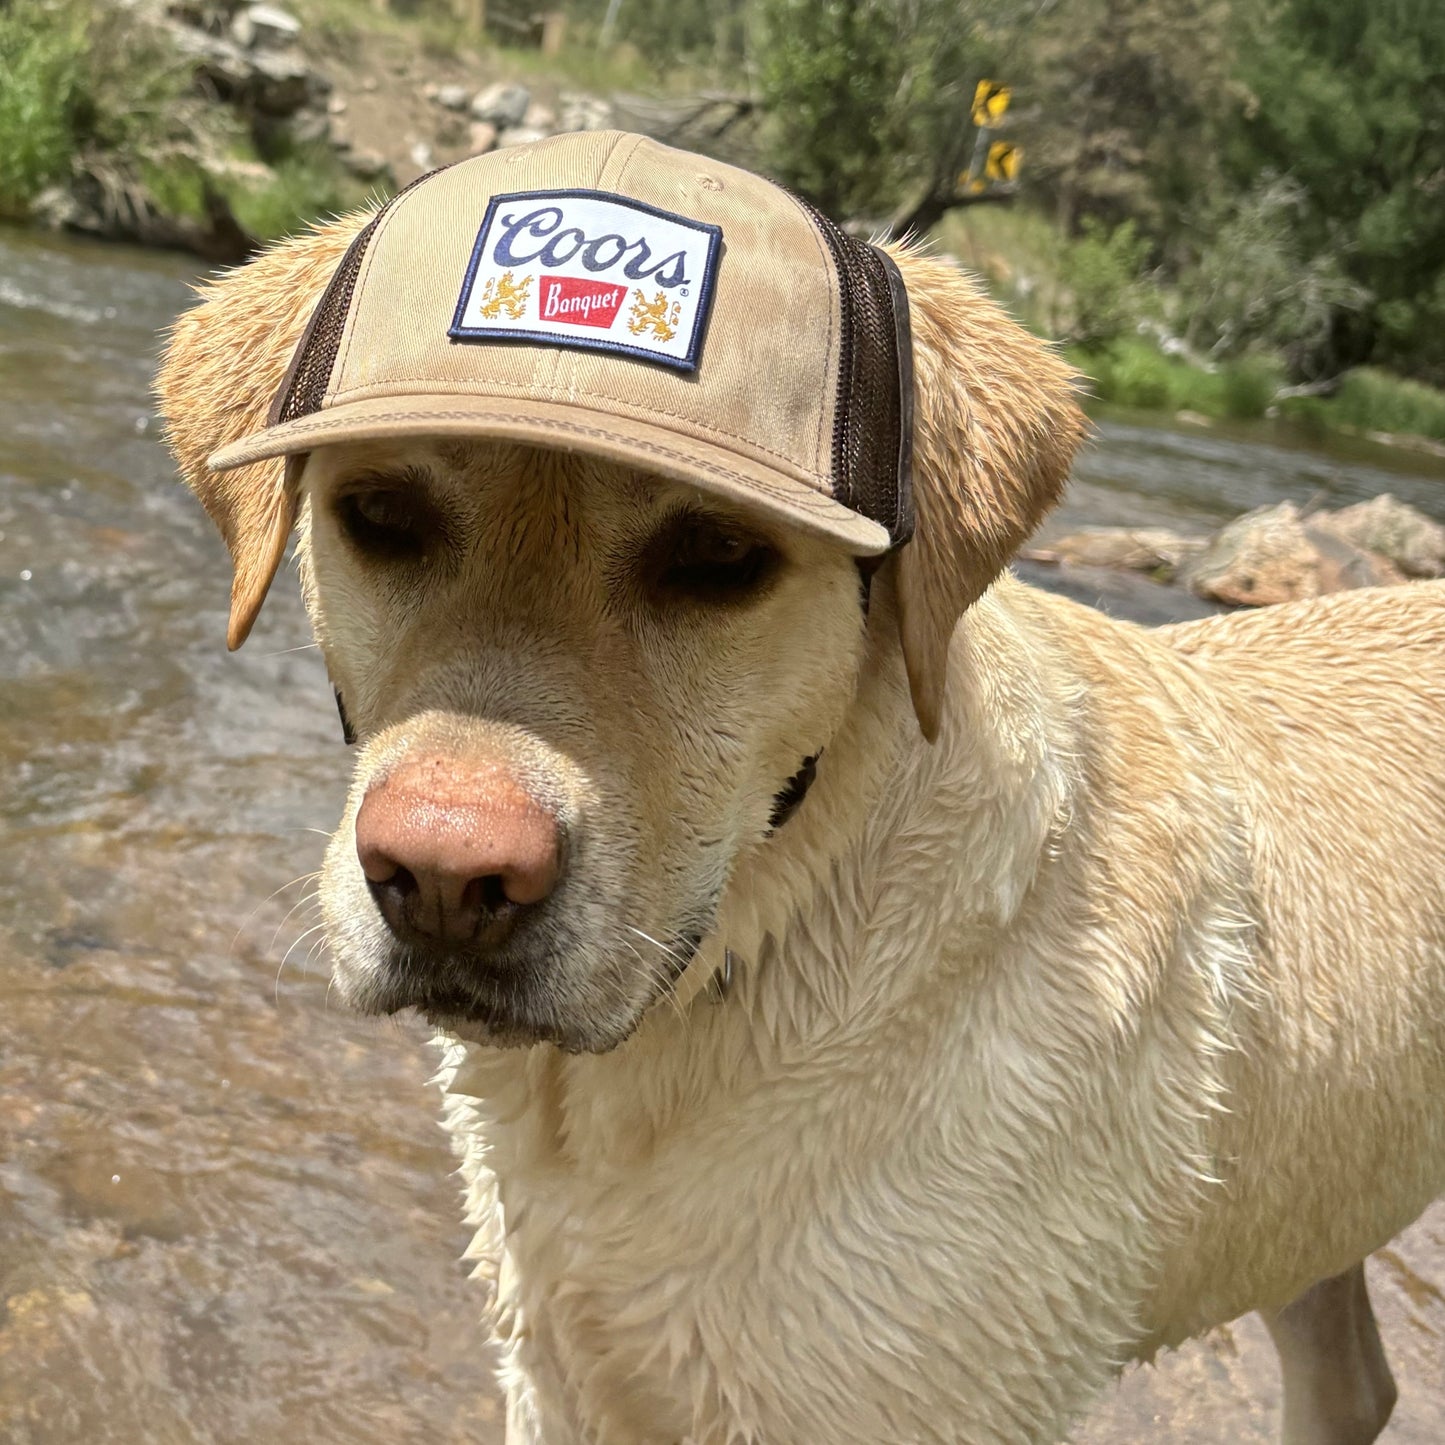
<point x="878" y="1000"/>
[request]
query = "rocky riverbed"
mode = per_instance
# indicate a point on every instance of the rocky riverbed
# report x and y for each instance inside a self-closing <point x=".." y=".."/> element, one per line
<point x="1276" y="553"/>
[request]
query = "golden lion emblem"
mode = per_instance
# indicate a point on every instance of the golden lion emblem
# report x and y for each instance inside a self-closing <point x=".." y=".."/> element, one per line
<point x="505" y="295"/>
<point x="653" y="316"/>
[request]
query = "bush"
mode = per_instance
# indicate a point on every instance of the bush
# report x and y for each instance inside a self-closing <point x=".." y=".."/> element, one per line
<point x="82" y="82"/>
<point x="42" y="64"/>
<point x="1247" y="387"/>
<point x="1132" y="372"/>
<point x="1254" y="286"/>
<point x="1103" y="272"/>
<point x="304" y="186"/>
<point x="1371" y="400"/>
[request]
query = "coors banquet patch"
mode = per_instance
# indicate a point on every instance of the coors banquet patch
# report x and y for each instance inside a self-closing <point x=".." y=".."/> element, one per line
<point x="590" y="269"/>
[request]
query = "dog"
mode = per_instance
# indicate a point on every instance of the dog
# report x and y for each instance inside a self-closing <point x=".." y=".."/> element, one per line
<point x="877" y="1000"/>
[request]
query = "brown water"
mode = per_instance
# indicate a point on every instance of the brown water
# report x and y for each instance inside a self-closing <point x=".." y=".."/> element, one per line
<point x="226" y="1212"/>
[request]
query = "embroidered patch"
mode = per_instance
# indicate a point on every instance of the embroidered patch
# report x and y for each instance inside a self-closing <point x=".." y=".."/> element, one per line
<point x="593" y="270"/>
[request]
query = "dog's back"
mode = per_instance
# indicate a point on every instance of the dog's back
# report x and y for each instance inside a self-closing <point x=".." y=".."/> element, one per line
<point x="1331" y="715"/>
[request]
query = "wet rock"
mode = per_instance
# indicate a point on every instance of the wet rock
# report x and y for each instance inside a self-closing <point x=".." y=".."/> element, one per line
<point x="1272" y="555"/>
<point x="519" y="135"/>
<point x="577" y="111"/>
<point x="503" y="104"/>
<point x="1143" y="549"/>
<point x="368" y="165"/>
<point x="481" y="138"/>
<point x="452" y="97"/>
<point x="57" y="209"/>
<point x="218" y="63"/>
<point x="264" y="27"/>
<point x="280" y="85"/>
<point x="309" y="127"/>
<point x="1408" y="539"/>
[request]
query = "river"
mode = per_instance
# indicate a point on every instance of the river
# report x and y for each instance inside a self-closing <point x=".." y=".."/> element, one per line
<point x="226" y="1211"/>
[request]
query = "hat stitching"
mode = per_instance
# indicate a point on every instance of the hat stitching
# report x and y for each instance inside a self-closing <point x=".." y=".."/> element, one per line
<point x="808" y="498"/>
<point x="834" y="286"/>
<point x="350" y="395"/>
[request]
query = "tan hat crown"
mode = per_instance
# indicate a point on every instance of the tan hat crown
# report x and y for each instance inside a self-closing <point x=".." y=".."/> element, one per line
<point x="603" y="293"/>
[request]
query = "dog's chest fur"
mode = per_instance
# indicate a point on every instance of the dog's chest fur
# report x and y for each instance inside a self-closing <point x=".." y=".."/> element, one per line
<point x="773" y="1222"/>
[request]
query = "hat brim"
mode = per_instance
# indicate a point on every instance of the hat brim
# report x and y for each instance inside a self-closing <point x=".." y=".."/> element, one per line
<point x="701" y="463"/>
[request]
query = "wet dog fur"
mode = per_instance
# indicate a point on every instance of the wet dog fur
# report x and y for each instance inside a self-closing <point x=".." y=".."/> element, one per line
<point x="1094" y="996"/>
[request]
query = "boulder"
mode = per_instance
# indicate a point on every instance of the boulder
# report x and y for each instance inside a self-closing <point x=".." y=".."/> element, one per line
<point x="577" y="111"/>
<point x="1131" y="549"/>
<point x="519" y="135"/>
<point x="1405" y="537"/>
<point x="1274" y="555"/>
<point x="369" y="166"/>
<point x="309" y="127"/>
<point x="280" y="85"/>
<point x="225" y="67"/>
<point x="264" y="27"/>
<point x="452" y="97"/>
<point x="481" y="138"/>
<point x="503" y="104"/>
<point x="540" y="117"/>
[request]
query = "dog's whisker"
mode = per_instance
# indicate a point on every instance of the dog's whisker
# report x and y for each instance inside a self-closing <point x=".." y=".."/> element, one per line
<point x="316" y="928"/>
<point x="304" y="879"/>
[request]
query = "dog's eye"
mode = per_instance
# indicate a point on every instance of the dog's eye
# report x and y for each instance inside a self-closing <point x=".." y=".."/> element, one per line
<point x="386" y="522"/>
<point x="709" y="560"/>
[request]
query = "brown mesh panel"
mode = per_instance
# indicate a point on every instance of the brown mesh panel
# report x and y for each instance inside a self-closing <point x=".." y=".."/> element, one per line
<point x="873" y="420"/>
<point x="304" y="388"/>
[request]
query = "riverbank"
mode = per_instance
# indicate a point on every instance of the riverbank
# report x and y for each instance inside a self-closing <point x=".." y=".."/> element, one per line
<point x="216" y="127"/>
<point x="1120" y="332"/>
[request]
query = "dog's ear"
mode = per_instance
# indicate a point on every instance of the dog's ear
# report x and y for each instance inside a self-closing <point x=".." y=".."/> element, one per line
<point x="996" y="426"/>
<point x="224" y="361"/>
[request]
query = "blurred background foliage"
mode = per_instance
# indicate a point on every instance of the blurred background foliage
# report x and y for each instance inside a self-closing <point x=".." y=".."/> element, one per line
<point x="1247" y="192"/>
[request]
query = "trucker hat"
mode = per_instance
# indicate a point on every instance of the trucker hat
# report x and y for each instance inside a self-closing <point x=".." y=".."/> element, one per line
<point x="602" y="293"/>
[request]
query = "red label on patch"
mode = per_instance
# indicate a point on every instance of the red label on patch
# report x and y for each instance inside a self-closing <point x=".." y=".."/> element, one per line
<point x="583" y="303"/>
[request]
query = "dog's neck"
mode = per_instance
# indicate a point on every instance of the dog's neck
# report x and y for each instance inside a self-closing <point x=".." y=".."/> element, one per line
<point x="809" y="913"/>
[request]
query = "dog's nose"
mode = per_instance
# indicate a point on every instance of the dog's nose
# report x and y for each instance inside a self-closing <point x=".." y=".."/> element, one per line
<point x="456" y="853"/>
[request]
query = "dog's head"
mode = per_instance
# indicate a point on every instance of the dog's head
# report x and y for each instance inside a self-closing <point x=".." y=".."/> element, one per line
<point x="581" y="691"/>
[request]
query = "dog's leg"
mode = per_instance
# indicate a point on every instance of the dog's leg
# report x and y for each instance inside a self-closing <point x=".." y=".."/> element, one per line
<point x="1338" y="1389"/>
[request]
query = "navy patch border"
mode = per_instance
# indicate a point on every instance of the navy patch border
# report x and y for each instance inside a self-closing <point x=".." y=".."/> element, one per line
<point x="458" y="332"/>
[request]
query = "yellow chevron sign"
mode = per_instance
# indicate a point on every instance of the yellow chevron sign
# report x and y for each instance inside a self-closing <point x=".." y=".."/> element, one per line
<point x="990" y="100"/>
<point x="1003" y="161"/>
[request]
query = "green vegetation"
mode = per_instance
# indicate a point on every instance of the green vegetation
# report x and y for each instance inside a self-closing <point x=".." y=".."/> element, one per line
<point x="1264" y="186"/>
<point x="42" y="70"/>
<point x="1371" y="400"/>
<point x="1135" y="373"/>
<point x="93" y="94"/>
<point x="1223" y="206"/>
<point x="301" y="187"/>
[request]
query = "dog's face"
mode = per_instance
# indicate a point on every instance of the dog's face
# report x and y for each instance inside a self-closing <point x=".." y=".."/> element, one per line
<point x="579" y="690"/>
<point x="592" y="686"/>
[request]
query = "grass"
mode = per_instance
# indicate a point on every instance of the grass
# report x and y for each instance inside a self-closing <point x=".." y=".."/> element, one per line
<point x="1017" y="252"/>
<point x="1133" y="372"/>
<point x="1371" y="400"/>
<point x="42" y="64"/>
<point x="1023" y="260"/>
<point x="303" y="186"/>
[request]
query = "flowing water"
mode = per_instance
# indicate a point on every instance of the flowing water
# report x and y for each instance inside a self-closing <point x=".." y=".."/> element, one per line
<point x="226" y="1211"/>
